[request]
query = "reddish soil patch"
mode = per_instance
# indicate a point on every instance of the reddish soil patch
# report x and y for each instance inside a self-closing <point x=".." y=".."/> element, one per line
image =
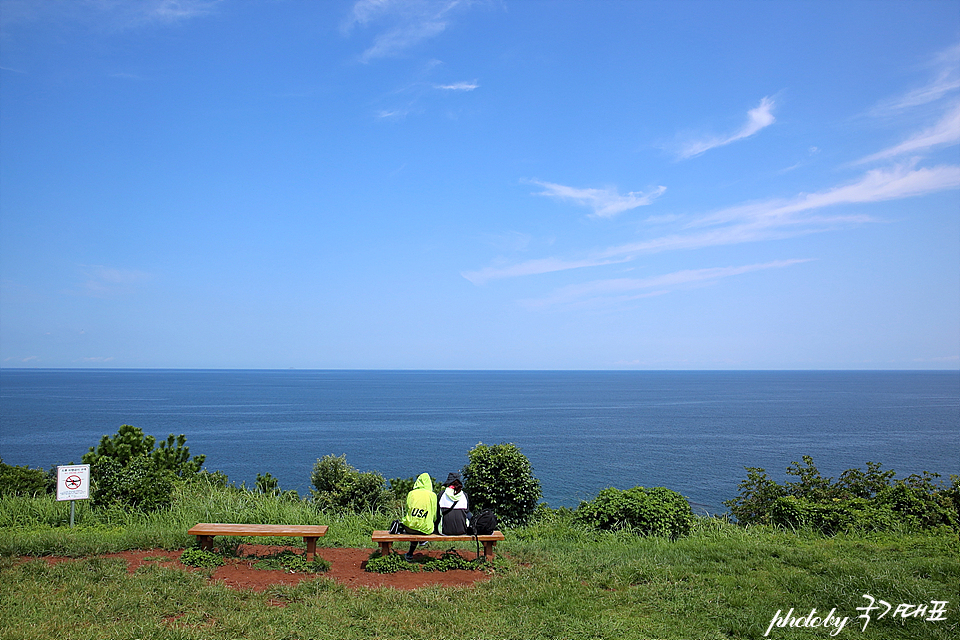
<point x="346" y="567"/>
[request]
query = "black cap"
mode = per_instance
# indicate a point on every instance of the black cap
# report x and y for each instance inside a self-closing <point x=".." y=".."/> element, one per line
<point x="453" y="478"/>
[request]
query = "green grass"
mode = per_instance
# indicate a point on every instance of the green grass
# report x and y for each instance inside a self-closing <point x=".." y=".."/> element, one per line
<point x="721" y="581"/>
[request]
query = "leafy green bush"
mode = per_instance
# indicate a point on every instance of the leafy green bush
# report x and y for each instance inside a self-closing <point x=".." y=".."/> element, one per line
<point x="200" y="558"/>
<point x="500" y="477"/>
<point x="127" y="470"/>
<point x="658" y="511"/>
<point x="23" y="481"/>
<point x="870" y="500"/>
<point x="139" y="484"/>
<point x="390" y="563"/>
<point x="340" y="487"/>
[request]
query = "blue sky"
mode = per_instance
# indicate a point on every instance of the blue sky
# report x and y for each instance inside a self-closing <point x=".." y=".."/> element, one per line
<point x="439" y="184"/>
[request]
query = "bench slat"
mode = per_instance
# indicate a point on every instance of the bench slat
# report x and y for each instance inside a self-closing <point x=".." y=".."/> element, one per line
<point x="225" y="529"/>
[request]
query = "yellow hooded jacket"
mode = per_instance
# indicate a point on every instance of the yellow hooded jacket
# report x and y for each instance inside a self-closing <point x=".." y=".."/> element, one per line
<point x="421" y="512"/>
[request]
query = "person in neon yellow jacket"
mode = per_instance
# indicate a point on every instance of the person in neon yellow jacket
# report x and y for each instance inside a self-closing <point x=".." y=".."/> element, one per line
<point x="421" y="514"/>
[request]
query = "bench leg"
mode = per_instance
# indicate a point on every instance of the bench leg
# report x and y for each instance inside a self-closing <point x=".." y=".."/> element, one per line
<point x="311" y="547"/>
<point x="488" y="546"/>
<point x="205" y="542"/>
<point x="385" y="548"/>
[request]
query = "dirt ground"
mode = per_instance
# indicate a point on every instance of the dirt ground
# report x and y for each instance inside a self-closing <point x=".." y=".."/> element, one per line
<point x="346" y="567"/>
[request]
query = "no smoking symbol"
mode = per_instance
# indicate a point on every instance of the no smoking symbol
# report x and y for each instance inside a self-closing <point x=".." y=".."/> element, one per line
<point x="73" y="482"/>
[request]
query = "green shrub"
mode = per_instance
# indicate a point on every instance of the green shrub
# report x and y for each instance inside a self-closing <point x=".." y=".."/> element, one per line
<point x="139" y="484"/>
<point x="390" y="563"/>
<point x="339" y="487"/>
<point x="200" y="558"/>
<point x="658" y="511"/>
<point x="500" y="477"/>
<point x="870" y="500"/>
<point x="23" y="481"/>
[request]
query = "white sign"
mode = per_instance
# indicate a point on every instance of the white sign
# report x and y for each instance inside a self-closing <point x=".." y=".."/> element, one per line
<point x="73" y="482"/>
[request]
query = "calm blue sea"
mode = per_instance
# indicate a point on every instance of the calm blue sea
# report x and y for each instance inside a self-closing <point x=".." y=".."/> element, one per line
<point x="693" y="432"/>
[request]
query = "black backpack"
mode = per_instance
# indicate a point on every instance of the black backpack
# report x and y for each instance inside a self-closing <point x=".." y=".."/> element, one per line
<point x="485" y="523"/>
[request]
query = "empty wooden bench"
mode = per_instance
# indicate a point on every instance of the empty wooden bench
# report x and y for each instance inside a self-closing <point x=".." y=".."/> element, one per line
<point x="385" y="540"/>
<point x="205" y="531"/>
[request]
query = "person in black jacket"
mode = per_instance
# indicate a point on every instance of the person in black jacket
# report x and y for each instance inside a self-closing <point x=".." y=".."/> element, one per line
<point x="453" y="507"/>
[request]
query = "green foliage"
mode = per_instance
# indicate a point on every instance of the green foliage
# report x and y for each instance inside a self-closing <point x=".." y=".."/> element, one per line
<point x="200" y="558"/>
<point x="658" y="511"/>
<point x="500" y="477"/>
<point x="339" y="487"/>
<point x="139" y="484"/>
<point x="127" y="470"/>
<point x="130" y="443"/>
<point x="23" y="481"/>
<point x="390" y="563"/>
<point x="448" y="561"/>
<point x="858" y="500"/>
<point x="294" y="562"/>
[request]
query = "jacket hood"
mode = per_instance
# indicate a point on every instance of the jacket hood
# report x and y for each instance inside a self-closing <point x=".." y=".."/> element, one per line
<point x="423" y="482"/>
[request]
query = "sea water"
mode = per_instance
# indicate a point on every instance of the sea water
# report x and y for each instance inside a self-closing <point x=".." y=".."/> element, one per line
<point x="690" y="431"/>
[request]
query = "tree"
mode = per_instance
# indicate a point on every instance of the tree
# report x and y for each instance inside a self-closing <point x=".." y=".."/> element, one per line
<point x="128" y="470"/>
<point x="500" y="477"/>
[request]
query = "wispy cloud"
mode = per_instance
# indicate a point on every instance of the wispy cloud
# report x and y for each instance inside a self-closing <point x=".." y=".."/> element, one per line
<point x="759" y="221"/>
<point x="459" y="86"/>
<point x="617" y="290"/>
<point x="408" y="23"/>
<point x="945" y="80"/>
<point x="758" y="118"/>
<point x="605" y="203"/>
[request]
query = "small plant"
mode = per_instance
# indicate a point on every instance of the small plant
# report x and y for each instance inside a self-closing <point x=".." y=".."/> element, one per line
<point x="201" y="558"/>
<point x="390" y="563"/>
<point x="294" y="562"/>
<point x="450" y="560"/>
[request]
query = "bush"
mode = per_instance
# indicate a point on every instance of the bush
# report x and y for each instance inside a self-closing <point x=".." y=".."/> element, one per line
<point x="127" y="470"/>
<point x="870" y="500"/>
<point x="23" y="481"/>
<point x="500" y="477"/>
<point x="139" y="484"/>
<point x="340" y="487"/>
<point x="201" y="558"/>
<point x="658" y="511"/>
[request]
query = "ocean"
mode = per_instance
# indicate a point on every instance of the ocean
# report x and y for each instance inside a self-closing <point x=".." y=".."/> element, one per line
<point x="690" y="431"/>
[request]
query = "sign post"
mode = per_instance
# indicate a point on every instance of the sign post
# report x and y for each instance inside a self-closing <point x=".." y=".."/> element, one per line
<point x="73" y="483"/>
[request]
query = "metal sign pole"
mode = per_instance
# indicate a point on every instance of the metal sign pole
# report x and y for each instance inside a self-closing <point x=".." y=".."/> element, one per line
<point x="72" y="502"/>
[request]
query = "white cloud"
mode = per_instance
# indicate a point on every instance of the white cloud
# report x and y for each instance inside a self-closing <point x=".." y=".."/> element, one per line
<point x="605" y="203"/>
<point x="944" y="132"/>
<point x="535" y="267"/>
<point x="625" y="289"/>
<point x="459" y="86"/>
<point x="946" y="80"/>
<point x="409" y="22"/>
<point x="759" y="221"/>
<point x="758" y="118"/>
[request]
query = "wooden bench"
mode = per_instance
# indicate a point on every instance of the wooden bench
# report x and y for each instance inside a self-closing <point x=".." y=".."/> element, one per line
<point x="385" y="540"/>
<point x="309" y="532"/>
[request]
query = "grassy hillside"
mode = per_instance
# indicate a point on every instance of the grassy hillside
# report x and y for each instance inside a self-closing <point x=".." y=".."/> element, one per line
<point x="721" y="581"/>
